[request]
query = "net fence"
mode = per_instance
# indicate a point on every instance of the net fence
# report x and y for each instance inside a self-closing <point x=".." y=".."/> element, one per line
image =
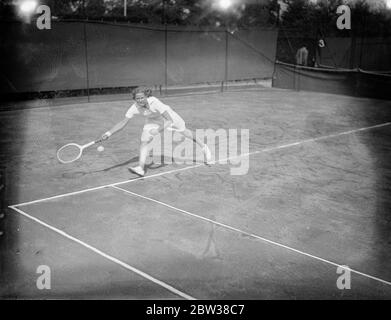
<point x="370" y="53"/>
<point x="349" y="64"/>
<point x="351" y="82"/>
<point x="83" y="55"/>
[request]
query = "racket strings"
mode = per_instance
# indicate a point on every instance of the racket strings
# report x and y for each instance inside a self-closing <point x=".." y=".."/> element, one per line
<point x="69" y="153"/>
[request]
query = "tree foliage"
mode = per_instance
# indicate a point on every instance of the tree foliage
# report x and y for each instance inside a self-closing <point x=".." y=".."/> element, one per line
<point x="369" y="17"/>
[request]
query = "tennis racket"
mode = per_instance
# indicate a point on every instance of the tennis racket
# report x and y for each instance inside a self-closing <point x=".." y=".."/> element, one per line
<point x="73" y="151"/>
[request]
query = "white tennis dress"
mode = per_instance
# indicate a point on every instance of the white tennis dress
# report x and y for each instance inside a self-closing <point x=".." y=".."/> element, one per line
<point x="153" y="116"/>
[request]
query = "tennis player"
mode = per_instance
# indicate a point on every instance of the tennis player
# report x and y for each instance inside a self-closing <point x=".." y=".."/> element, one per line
<point x="158" y="117"/>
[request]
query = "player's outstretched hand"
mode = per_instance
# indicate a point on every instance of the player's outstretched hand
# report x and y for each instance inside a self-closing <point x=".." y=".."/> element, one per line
<point x="105" y="136"/>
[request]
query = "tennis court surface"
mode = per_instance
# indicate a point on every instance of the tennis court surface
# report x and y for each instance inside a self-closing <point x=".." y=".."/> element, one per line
<point x="316" y="197"/>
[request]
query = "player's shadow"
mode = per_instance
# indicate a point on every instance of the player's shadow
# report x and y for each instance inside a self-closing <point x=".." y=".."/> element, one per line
<point x="150" y="166"/>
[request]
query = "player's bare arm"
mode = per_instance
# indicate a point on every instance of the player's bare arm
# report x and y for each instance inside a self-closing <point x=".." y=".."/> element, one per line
<point x="118" y="127"/>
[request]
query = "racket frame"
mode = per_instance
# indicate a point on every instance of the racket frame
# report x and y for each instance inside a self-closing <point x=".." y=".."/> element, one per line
<point x="81" y="149"/>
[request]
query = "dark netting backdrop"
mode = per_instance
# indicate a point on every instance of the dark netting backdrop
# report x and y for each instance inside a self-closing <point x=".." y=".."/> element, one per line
<point x="77" y="55"/>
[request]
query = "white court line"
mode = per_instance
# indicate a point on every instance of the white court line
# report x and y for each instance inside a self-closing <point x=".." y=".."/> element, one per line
<point x="251" y="235"/>
<point x="104" y="186"/>
<point x="198" y="165"/>
<point x="104" y="255"/>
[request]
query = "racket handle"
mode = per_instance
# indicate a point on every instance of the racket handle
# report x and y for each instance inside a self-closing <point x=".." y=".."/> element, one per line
<point x="88" y="144"/>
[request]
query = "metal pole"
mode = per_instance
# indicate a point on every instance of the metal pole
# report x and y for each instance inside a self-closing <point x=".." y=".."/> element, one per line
<point x="2" y="201"/>
<point x="165" y="47"/>
<point x="226" y="57"/>
<point x="363" y="31"/>
<point x="86" y="57"/>
<point x="84" y="9"/>
<point x="125" y="8"/>
<point x="353" y="42"/>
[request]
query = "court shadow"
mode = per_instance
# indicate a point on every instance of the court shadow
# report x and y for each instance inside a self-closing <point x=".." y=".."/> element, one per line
<point x="164" y="161"/>
<point x="156" y="163"/>
<point x="77" y="174"/>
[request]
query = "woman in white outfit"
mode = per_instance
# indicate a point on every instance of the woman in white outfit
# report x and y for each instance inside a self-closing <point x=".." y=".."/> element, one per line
<point x="155" y="113"/>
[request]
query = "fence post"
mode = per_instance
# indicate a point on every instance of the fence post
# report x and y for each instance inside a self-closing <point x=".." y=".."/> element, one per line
<point x="165" y="59"/>
<point x="86" y="57"/>
<point x="226" y="59"/>
<point x="2" y="200"/>
<point x="164" y="18"/>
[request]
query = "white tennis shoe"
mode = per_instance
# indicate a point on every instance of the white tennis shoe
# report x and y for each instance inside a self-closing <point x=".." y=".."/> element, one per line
<point x="137" y="170"/>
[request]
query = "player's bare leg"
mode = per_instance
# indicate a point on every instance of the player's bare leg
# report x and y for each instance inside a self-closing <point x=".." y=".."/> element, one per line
<point x="190" y="135"/>
<point x="144" y="150"/>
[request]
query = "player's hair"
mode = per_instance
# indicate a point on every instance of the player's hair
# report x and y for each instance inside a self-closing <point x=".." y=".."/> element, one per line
<point x="142" y="89"/>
